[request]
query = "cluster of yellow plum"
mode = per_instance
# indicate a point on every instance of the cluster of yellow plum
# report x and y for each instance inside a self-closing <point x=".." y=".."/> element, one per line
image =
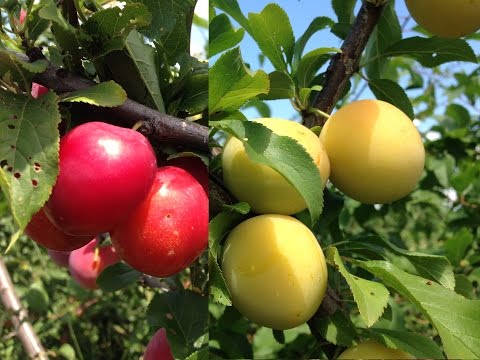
<point x="273" y="264"/>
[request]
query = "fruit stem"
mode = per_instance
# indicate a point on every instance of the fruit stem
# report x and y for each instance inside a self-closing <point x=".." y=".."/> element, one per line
<point x="137" y="125"/>
<point x="318" y="112"/>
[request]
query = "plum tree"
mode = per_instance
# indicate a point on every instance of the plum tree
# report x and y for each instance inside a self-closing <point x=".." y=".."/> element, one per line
<point x="275" y="271"/>
<point x="43" y="232"/>
<point x="446" y="18"/>
<point x="86" y="264"/>
<point x="105" y="172"/>
<point x="158" y="347"/>
<point x="262" y="187"/>
<point x="376" y="153"/>
<point x="169" y="230"/>
<point x="373" y="350"/>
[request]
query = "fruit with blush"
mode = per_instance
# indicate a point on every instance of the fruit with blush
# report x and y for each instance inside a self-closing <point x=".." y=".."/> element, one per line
<point x="87" y="263"/>
<point x="158" y="347"/>
<point x="169" y="230"/>
<point x="105" y="172"/>
<point x="41" y="230"/>
<point x="195" y="166"/>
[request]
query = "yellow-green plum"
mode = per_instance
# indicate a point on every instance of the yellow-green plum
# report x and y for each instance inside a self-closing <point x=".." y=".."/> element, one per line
<point x="373" y="350"/>
<point x="446" y="18"/>
<point x="275" y="270"/>
<point x="263" y="188"/>
<point x="376" y="153"/>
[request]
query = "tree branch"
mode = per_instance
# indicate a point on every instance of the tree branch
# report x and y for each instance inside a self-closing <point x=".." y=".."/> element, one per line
<point x="158" y="126"/>
<point x="23" y="328"/>
<point x="345" y="64"/>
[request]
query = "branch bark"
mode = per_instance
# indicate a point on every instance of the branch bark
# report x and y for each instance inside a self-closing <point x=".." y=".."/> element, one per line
<point x="23" y="328"/>
<point x="158" y="126"/>
<point x="345" y="64"/>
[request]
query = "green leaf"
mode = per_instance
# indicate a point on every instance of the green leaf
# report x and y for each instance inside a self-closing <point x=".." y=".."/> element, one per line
<point x="231" y="8"/>
<point x="284" y="155"/>
<point x="35" y="67"/>
<point x="311" y="63"/>
<point x="117" y="277"/>
<point x="221" y="224"/>
<point x="195" y="94"/>
<point x="304" y="95"/>
<point x="184" y="315"/>
<point x="218" y="286"/>
<point x="344" y="10"/>
<point x="51" y="12"/>
<point x="273" y="33"/>
<point x="417" y="345"/>
<point x="231" y="83"/>
<point x="443" y="168"/>
<point x="457" y="245"/>
<point x="67" y="351"/>
<point x="37" y="298"/>
<point x="143" y="56"/>
<point x="36" y="25"/>
<point x="433" y="267"/>
<point x="29" y="144"/>
<point x="108" y="94"/>
<point x="464" y="286"/>
<point x="391" y="92"/>
<point x="110" y="27"/>
<point x="386" y="33"/>
<point x="431" y="52"/>
<point x="317" y="24"/>
<point x="199" y="355"/>
<point x="170" y="25"/>
<point x="222" y="35"/>
<point x="337" y="328"/>
<point x="371" y="297"/>
<point x="281" y="87"/>
<point x="456" y="318"/>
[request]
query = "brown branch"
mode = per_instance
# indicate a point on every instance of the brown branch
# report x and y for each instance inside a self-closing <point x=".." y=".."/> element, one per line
<point x="158" y="126"/>
<point x="23" y="328"/>
<point x="345" y="64"/>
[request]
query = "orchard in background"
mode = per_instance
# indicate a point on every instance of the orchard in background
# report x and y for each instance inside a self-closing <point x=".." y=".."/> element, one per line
<point x="396" y="110"/>
<point x="97" y="97"/>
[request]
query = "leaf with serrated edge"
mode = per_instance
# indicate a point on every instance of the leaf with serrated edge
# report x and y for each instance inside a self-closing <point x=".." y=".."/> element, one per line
<point x="222" y="35"/>
<point x="456" y="318"/>
<point x="232" y="84"/>
<point x="273" y="33"/>
<point x="29" y="145"/>
<point x="391" y="92"/>
<point x="371" y="297"/>
<point x="218" y="286"/>
<point x="283" y="154"/>
<point x="107" y="94"/>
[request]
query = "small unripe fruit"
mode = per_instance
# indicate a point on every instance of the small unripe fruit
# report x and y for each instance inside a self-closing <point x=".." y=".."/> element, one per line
<point x="446" y="18"/>
<point x="373" y="350"/>
<point x="86" y="264"/>
<point x="263" y="188"/>
<point x="275" y="271"/>
<point x="376" y="153"/>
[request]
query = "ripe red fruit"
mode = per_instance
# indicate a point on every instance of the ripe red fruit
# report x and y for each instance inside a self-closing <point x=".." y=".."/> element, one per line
<point x="44" y="233"/>
<point x="158" y="347"/>
<point x="38" y="90"/>
<point x="59" y="257"/>
<point x="105" y="172"/>
<point x="169" y="230"/>
<point x="195" y="166"/>
<point x="85" y="266"/>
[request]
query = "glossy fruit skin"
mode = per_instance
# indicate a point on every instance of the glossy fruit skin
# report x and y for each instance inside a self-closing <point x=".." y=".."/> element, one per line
<point x="376" y="153"/>
<point x="59" y="257"/>
<point x="446" y="18"/>
<point x="85" y="267"/>
<point x="195" y="166"/>
<point x="169" y="230"/>
<point x="105" y="172"/>
<point x="43" y="232"/>
<point x="373" y="350"/>
<point x="275" y="271"/>
<point x="158" y="347"/>
<point x="263" y="188"/>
